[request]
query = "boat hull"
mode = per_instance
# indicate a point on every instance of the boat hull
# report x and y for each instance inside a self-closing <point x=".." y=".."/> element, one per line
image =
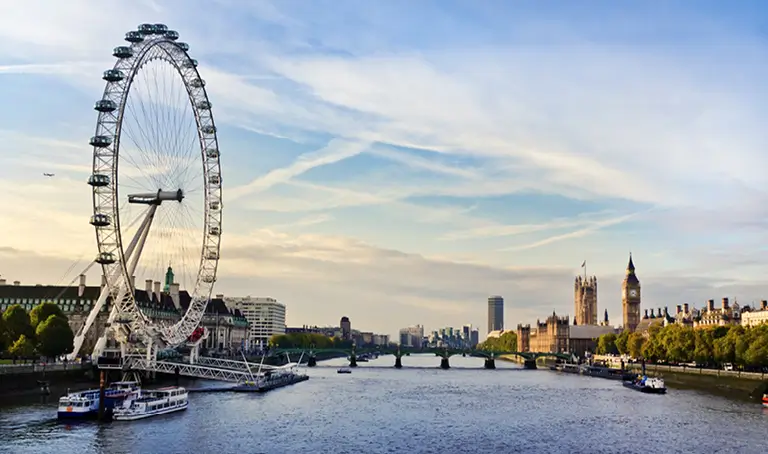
<point x="164" y="411"/>
<point x="645" y="389"/>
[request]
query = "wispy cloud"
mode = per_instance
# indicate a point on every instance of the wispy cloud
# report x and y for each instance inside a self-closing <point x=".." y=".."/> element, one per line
<point x="579" y="233"/>
<point x="336" y="150"/>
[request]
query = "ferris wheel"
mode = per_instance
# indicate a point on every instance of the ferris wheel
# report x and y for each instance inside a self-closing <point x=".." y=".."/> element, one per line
<point x="156" y="189"/>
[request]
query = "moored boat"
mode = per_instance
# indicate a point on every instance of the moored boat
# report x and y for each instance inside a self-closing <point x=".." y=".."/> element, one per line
<point x="344" y="370"/>
<point x="649" y="385"/>
<point x="85" y="404"/>
<point x="765" y="400"/>
<point x="152" y="403"/>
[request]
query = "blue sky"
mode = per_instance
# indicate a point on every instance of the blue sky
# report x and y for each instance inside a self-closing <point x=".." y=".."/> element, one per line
<point x="398" y="162"/>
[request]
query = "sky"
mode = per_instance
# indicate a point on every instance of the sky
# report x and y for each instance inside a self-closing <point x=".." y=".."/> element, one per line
<point x="399" y="162"/>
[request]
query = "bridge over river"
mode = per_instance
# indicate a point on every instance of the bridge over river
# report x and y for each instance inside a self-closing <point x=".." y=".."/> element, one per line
<point x="354" y="355"/>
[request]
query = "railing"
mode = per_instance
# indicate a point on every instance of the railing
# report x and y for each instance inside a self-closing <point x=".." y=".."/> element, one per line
<point x="700" y="371"/>
<point x="187" y="370"/>
<point x="8" y="369"/>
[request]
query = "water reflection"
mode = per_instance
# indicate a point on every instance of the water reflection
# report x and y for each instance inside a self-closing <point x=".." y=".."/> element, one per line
<point x="419" y="408"/>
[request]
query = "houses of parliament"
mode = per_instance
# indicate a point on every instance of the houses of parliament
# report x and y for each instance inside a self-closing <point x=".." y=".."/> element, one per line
<point x="557" y="334"/>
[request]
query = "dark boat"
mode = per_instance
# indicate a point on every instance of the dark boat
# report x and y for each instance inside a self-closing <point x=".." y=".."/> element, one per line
<point x="648" y="385"/>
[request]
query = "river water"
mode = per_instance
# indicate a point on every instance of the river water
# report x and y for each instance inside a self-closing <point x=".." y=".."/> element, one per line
<point x="417" y="409"/>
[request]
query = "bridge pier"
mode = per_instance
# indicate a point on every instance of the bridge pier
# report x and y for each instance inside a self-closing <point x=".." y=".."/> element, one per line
<point x="312" y="361"/>
<point x="353" y="361"/>
<point x="444" y="364"/>
<point x="529" y="364"/>
<point x="398" y="362"/>
<point x="490" y="363"/>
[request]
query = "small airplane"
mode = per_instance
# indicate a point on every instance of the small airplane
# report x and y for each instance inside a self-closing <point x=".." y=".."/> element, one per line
<point x="49" y="174"/>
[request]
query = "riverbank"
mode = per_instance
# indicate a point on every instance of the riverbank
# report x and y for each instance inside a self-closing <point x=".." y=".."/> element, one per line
<point x="741" y="385"/>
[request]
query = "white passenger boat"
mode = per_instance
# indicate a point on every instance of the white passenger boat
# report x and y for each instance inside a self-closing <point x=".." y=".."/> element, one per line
<point x="152" y="403"/>
<point x="85" y="404"/>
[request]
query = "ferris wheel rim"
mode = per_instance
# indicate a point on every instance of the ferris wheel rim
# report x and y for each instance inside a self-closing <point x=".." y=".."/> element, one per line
<point x="158" y="45"/>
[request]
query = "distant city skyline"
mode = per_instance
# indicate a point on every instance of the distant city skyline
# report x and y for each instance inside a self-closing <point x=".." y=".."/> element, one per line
<point x="399" y="166"/>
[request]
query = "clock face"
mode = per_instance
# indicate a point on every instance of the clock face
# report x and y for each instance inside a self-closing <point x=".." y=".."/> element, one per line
<point x="633" y="293"/>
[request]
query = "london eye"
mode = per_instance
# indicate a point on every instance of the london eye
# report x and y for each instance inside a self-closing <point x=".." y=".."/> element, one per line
<point x="156" y="186"/>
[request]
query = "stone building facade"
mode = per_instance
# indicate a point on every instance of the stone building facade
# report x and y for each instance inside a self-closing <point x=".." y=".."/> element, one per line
<point x="227" y="326"/>
<point x="585" y="300"/>
<point x="630" y="298"/>
<point x="551" y="335"/>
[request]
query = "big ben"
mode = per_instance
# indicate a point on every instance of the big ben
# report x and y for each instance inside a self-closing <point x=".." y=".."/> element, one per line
<point x="630" y="298"/>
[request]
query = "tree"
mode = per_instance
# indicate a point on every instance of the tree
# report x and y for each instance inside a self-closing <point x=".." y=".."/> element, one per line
<point x="635" y="345"/>
<point x="55" y="337"/>
<point x="606" y="344"/>
<point x="621" y="342"/>
<point x="42" y="311"/>
<point x="17" y="323"/>
<point x="3" y="336"/>
<point x="507" y="342"/>
<point x="23" y="347"/>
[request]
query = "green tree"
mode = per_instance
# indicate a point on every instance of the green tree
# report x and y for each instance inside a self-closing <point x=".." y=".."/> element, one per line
<point x="42" y="311"/>
<point x="606" y="344"/>
<point x="17" y="323"/>
<point x="23" y="347"/>
<point x="507" y="342"/>
<point x="704" y="352"/>
<point x="635" y="344"/>
<point x="757" y="353"/>
<point x="55" y="337"/>
<point x="621" y="342"/>
<point x="3" y="335"/>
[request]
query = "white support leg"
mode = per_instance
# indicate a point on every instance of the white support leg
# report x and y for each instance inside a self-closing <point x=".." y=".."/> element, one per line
<point x="138" y="240"/>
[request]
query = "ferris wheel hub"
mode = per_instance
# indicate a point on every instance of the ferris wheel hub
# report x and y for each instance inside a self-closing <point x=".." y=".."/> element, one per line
<point x="156" y="198"/>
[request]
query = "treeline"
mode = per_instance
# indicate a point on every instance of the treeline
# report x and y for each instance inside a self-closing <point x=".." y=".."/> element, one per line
<point x="307" y="340"/>
<point x="44" y="331"/>
<point x="506" y="342"/>
<point x="736" y="344"/>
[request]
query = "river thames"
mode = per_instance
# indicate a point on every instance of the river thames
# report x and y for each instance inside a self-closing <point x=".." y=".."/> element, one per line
<point x="420" y="408"/>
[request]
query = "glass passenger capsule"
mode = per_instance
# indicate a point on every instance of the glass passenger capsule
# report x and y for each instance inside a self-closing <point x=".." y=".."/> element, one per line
<point x="100" y="141"/>
<point x="191" y="63"/>
<point x="204" y="105"/>
<point x="208" y="129"/>
<point x="212" y="255"/>
<point x="212" y="153"/>
<point x="98" y="180"/>
<point x="146" y="29"/>
<point x="214" y="179"/>
<point x="215" y="205"/>
<point x="113" y="75"/>
<point x="214" y="231"/>
<point x="183" y="46"/>
<point x="105" y="105"/>
<point x="122" y="52"/>
<point x="100" y="220"/>
<point x="106" y="258"/>
<point x="173" y="35"/>
<point x="134" y="37"/>
<point x="160" y="29"/>
<point x="197" y="83"/>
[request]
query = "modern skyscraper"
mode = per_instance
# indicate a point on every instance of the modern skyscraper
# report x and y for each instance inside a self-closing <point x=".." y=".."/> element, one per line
<point x="346" y="328"/>
<point x="630" y="298"/>
<point x="495" y="313"/>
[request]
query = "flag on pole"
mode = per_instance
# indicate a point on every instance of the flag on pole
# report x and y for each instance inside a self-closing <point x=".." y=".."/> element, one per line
<point x="584" y="263"/>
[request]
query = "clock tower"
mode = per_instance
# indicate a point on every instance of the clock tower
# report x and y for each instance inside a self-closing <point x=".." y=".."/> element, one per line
<point x="630" y="298"/>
